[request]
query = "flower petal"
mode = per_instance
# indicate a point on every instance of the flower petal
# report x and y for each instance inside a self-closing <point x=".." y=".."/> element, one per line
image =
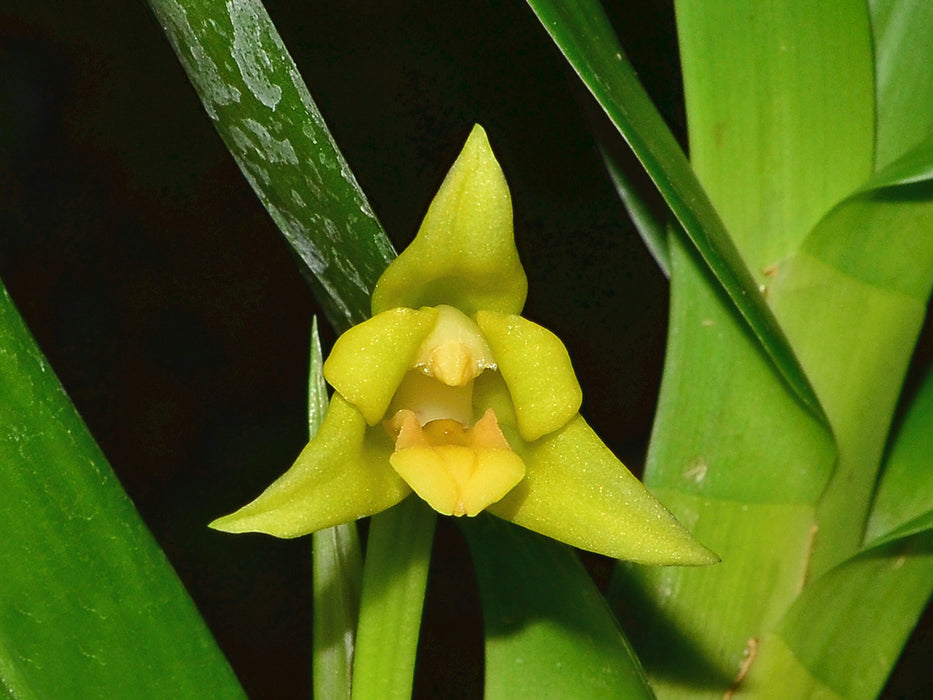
<point x="576" y="491"/>
<point x="341" y="475"/>
<point x="464" y="254"/>
<point x="369" y="361"/>
<point x="537" y="370"/>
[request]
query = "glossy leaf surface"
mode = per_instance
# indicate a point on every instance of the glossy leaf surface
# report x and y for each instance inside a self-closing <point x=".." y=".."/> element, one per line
<point x="258" y="101"/>
<point x="89" y="606"/>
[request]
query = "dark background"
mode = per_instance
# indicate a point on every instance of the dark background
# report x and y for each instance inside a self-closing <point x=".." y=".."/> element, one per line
<point x="174" y="315"/>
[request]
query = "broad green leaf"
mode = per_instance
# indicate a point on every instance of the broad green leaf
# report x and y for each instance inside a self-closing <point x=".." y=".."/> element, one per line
<point x="845" y="632"/>
<point x="337" y="571"/>
<point x="903" y="56"/>
<point x="548" y="630"/>
<point x="740" y="463"/>
<point x="732" y="454"/>
<point x="905" y="494"/>
<point x="89" y="606"/>
<point x="780" y="114"/>
<point x="691" y="627"/>
<point x="395" y="574"/>
<point x="583" y="33"/>
<point x="262" y="109"/>
<point x="853" y="300"/>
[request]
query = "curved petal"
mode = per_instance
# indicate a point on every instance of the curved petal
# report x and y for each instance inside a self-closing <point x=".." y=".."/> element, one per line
<point x="341" y="475"/>
<point x="369" y="361"/>
<point x="464" y="254"/>
<point x="576" y="491"/>
<point x="537" y="370"/>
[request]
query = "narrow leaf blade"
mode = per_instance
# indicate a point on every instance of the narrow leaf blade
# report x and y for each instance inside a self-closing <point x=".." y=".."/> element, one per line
<point x="337" y="571"/>
<point x="262" y="109"/>
<point x="395" y="574"/>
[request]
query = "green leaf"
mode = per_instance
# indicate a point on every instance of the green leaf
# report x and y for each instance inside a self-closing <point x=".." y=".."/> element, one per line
<point x="549" y="632"/>
<point x="846" y="630"/>
<point x="583" y="33"/>
<point x="337" y="571"/>
<point x="904" y="500"/>
<point x="913" y="167"/>
<point x="394" y="579"/>
<point x="89" y="606"/>
<point x="853" y="300"/>
<point x="732" y="454"/>
<point x="903" y="56"/>
<point x="259" y="103"/>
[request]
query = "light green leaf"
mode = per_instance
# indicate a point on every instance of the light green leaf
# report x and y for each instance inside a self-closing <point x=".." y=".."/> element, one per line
<point x="915" y="166"/>
<point x="89" y="606"/>
<point x="337" y="571"/>
<point x="904" y="500"/>
<point x="583" y="33"/>
<point x="853" y="300"/>
<point x="777" y="139"/>
<point x="541" y="641"/>
<point x="903" y="56"/>
<point x="846" y="630"/>
<point x="260" y="105"/>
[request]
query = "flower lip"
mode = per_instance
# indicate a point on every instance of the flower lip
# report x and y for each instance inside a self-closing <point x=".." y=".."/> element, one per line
<point x="457" y="470"/>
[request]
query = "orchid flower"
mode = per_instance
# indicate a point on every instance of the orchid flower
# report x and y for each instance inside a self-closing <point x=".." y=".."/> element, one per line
<point x="448" y="392"/>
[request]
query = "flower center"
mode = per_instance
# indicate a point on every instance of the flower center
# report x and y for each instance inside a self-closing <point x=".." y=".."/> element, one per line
<point x="458" y="467"/>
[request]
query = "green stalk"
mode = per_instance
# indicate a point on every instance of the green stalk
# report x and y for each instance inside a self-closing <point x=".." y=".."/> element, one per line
<point x="398" y="553"/>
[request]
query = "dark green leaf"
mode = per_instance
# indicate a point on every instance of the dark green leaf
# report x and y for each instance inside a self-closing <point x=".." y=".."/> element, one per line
<point x="89" y="606"/>
<point x="261" y="107"/>
<point x="652" y="231"/>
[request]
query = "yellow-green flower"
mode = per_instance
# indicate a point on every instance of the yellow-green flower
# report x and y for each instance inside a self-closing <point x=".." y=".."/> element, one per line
<point x="448" y="392"/>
